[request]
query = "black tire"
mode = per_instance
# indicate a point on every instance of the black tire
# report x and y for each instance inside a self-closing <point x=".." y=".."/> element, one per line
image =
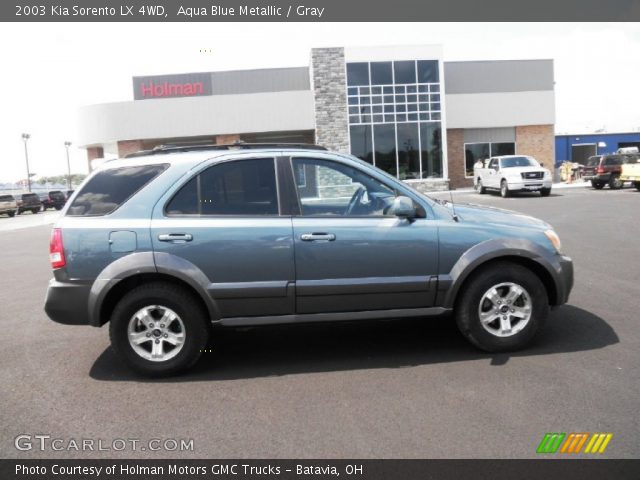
<point x="35" y="210"/>
<point x="468" y="304"/>
<point x="504" y="189"/>
<point x="615" y="183"/>
<point x="481" y="190"/>
<point x="597" y="185"/>
<point x="11" y="214"/>
<point x="58" y="207"/>
<point x="183" y="303"/>
<point x="637" y="185"/>
<point x="545" y="192"/>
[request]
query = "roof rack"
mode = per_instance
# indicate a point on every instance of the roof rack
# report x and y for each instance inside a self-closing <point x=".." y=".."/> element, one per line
<point x="239" y="145"/>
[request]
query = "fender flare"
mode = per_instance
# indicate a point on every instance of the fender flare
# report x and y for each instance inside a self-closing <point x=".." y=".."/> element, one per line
<point x="495" y="249"/>
<point x="142" y="263"/>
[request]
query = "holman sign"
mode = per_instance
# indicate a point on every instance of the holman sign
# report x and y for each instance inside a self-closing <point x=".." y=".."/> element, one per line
<point x="167" y="86"/>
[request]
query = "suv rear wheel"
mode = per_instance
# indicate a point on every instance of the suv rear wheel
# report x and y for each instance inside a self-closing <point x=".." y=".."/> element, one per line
<point x="158" y="329"/>
<point x="615" y="183"/>
<point x="597" y="185"/>
<point x="502" y="307"/>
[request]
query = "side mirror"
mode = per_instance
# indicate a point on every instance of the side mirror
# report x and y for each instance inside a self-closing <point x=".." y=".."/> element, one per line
<point x="541" y="164"/>
<point x="402" y="207"/>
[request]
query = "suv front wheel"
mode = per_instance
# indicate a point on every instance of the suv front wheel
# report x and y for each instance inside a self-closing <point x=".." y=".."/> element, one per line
<point x="158" y="329"/>
<point x="502" y="307"/>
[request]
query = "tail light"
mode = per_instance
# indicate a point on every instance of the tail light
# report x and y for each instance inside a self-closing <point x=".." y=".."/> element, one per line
<point x="56" y="249"/>
<point x="600" y="169"/>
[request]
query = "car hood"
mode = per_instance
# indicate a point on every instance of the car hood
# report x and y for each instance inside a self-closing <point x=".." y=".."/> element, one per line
<point x="481" y="214"/>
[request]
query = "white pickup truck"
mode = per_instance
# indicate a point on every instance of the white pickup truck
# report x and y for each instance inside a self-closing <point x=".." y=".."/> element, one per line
<point x="512" y="173"/>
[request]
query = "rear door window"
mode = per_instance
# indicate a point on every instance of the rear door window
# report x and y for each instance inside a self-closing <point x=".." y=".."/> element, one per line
<point x="6" y="198"/>
<point x="109" y="189"/>
<point x="238" y="187"/>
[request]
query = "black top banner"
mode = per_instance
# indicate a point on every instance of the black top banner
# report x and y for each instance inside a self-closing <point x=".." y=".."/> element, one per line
<point x="320" y="11"/>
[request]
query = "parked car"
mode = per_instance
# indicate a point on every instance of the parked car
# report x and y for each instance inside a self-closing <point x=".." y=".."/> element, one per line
<point x="165" y="243"/>
<point x="604" y="170"/>
<point x="631" y="173"/>
<point x="512" y="173"/>
<point x="8" y="205"/>
<point x="52" y="199"/>
<point x="68" y="194"/>
<point x="28" y="202"/>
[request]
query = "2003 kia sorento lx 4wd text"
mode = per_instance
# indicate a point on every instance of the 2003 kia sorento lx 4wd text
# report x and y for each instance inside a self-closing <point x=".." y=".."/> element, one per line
<point x="167" y="242"/>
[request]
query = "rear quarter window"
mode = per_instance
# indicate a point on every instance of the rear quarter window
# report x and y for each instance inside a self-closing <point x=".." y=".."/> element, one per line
<point x="111" y="188"/>
<point x="6" y="198"/>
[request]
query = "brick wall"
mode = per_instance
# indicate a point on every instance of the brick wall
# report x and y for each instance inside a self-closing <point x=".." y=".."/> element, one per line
<point x="537" y="141"/>
<point x="93" y="153"/>
<point x="125" y="147"/>
<point x="330" y="93"/>
<point x="455" y="160"/>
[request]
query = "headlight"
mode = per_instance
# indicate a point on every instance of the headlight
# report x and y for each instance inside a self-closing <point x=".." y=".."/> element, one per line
<point x="554" y="239"/>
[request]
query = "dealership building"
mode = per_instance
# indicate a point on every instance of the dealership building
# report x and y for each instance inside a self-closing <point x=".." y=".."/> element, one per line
<point x="402" y="108"/>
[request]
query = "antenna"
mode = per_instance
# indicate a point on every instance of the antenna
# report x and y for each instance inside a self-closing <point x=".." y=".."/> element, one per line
<point x="453" y="206"/>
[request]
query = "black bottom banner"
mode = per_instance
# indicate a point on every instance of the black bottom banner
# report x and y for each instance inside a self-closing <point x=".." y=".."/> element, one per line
<point x="82" y="469"/>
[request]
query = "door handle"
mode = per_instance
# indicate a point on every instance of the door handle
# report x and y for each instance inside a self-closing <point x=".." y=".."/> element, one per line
<point x="175" y="237"/>
<point x="314" y="237"/>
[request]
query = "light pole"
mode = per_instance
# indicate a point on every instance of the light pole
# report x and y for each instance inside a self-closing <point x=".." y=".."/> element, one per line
<point x="67" y="144"/>
<point x="25" y="138"/>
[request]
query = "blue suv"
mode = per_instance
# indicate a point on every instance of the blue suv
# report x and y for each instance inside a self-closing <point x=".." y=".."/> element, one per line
<point x="165" y="243"/>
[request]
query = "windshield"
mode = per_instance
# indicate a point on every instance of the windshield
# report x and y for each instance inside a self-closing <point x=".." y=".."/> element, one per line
<point x="593" y="161"/>
<point x="518" y="162"/>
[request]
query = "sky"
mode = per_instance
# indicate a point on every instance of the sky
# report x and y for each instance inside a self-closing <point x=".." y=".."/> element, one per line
<point x="49" y="70"/>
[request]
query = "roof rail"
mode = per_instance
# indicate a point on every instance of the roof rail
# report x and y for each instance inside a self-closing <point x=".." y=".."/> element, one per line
<point x="239" y="145"/>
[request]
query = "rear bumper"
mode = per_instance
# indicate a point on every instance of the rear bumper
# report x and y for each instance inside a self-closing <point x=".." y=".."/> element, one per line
<point x="602" y="177"/>
<point x="67" y="303"/>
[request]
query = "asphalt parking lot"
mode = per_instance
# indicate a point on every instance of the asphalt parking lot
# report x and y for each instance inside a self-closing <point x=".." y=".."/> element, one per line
<point x="389" y="389"/>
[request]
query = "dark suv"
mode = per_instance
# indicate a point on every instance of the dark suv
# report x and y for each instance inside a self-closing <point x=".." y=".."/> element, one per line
<point x="53" y="199"/>
<point x="165" y="243"/>
<point x="28" y="202"/>
<point x="605" y="169"/>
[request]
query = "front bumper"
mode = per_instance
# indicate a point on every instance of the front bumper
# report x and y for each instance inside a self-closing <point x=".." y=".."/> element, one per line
<point x="532" y="185"/>
<point x="564" y="279"/>
<point x="67" y="303"/>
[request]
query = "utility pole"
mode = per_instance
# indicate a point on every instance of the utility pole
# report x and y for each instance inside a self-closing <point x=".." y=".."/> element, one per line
<point x="67" y="144"/>
<point x="25" y="138"/>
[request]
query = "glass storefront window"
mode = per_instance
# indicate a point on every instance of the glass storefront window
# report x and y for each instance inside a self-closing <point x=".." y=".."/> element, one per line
<point x="508" y="148"/>
<point x="404" y="72"/>
<point x="428" y="71"/>
<point x="361" y="145"/>
<point x="481" y="151"/>
<point x="381" y="73"/>
<point x="394" y="116"/>
<point x="384" y="137"/>
<point x="408" y="151"/>
<point x="357" y="74"/>
<point x="431" y="145"/>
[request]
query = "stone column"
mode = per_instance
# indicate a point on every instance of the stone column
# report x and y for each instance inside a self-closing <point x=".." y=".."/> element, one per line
<point x="329" y="83"/>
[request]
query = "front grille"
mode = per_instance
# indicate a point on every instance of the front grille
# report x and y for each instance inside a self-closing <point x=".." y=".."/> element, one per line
<point x="531" y="175"/>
